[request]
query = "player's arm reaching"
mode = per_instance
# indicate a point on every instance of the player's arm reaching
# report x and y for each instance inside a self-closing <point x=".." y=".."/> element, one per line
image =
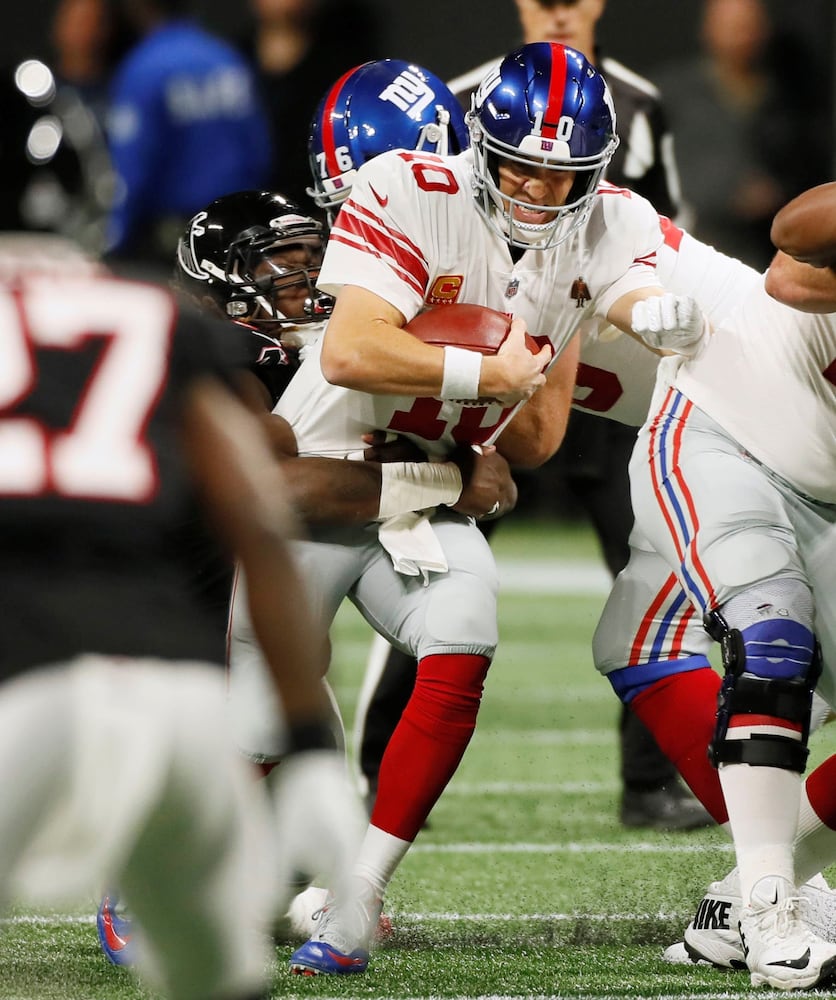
<point x="803" y="272"/>
<point x="333" y="491"/>
<point x="329" y="490"/>
<point x="365" y="348"/>
<point x="662" y="321"/>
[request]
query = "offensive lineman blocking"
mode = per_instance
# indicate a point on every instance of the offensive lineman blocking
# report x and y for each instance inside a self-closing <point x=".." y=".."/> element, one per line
<point x="737" y="494"/>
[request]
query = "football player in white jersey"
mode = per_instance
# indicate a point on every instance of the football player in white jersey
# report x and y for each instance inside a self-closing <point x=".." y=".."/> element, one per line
<point x="516" y="224"/>
<point x="251" y="258"/>
<point x="737" y="493"/>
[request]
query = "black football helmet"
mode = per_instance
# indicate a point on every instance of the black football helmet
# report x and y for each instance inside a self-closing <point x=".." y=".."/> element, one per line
<point x="55" y="169"/>
<point x="229" y="251"/>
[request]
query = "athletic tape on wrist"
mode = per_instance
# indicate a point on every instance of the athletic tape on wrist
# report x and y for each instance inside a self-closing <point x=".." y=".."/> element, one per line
<point x="462" y="370"/>
<point x="407" y="486"/>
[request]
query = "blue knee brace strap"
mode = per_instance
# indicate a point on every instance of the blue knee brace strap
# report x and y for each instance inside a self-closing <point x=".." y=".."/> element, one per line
<point x="778" y="647"/>
<point x="771" y="668"/>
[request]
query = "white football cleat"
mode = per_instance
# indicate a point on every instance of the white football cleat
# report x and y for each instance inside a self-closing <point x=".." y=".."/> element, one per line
<point x="712" y="935"/>
<point x="303" y="913"/>
<point x="344" y="934"/>
<point x="781" y="950"/>
<point x="305" y="909"/>
<point x="677" y="954"/>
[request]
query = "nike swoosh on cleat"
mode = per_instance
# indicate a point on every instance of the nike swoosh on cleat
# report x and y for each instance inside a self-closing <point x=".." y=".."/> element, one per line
<point x="114" y="941"/>
<point x="346" y="960"/>
<point x="794" y="963"/>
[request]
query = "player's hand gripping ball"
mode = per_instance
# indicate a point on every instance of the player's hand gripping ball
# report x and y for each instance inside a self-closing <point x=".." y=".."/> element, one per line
<point x="476" y="328"/>
<point x="473" y="327"/>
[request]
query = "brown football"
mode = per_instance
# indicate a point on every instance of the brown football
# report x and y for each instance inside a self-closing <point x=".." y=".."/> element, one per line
<point x="475" y="327"/>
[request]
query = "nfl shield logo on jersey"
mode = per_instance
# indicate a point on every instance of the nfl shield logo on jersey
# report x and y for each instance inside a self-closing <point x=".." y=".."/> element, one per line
<point x="511" y="288"/>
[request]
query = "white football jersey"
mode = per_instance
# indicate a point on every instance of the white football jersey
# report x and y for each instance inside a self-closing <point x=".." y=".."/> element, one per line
<point x="411" y="234"/>
<point x="434" y="248"/>
<point x="616" y="374"/>
<point x="768" y="377"/>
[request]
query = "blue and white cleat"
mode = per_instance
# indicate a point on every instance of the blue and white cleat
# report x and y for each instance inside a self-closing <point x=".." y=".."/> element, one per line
<point x="344" y="932"/>
<point x="316" y="958"/>
<point x="115" y="932"/>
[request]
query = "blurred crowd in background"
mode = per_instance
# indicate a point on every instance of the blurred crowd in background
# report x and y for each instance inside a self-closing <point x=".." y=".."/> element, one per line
<point x="750" y="109"/>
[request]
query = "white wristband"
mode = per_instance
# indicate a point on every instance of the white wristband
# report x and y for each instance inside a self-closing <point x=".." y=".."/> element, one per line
<point x="407" y="486"/>
<point x="462" y="370"/>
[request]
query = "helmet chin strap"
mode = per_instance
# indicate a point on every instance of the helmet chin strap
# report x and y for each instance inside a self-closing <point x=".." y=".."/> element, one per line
<point x="436" y="133"/>
<point x="530" y="234"/>
<point x="527" y="233"/>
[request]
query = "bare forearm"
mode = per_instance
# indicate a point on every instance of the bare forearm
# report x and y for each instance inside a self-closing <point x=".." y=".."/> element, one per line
<point x="802" y="286"/>
<point x="333" y="491"/>
<point x="537" y="430"/>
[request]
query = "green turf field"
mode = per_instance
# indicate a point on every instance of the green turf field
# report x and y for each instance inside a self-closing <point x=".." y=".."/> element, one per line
<point x="525" y="884"/>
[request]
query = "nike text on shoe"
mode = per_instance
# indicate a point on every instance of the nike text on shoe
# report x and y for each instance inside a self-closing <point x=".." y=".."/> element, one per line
<point x="115" y="932"/>
<point x="713" y="936"/>
<point x="781" y="950"/>
<point x="343" y="935"/>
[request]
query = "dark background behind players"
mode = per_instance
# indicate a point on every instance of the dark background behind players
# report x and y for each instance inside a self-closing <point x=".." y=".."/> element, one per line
<point x="298" y="48"/>
<point x="644" y="33"/>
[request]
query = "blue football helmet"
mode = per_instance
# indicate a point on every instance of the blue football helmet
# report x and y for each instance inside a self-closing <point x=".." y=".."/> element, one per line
<point x="544" y="105"/>
<point x="381" y="105"/>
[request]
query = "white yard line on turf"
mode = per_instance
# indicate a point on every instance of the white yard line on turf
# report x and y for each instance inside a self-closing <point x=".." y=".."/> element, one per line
<point x="568" y="848"/>
<point x="725" y="995"/>
<point x="64" y="920"/>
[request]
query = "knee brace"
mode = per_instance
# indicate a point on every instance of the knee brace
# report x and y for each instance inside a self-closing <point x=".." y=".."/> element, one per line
<point x="771" y="670"/>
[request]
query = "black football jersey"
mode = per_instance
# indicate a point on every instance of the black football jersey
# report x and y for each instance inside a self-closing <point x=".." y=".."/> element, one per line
<point x="209" y="568"/>
<point x="93" y="484"/>
<point x="262" y="354"/>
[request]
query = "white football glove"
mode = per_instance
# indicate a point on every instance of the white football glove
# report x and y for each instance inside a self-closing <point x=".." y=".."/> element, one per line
<point x="670" y="322"/>
<point x="320" y="821"/>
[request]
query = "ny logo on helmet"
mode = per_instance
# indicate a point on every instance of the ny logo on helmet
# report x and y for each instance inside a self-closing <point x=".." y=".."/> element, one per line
<point x="409" y="93"/>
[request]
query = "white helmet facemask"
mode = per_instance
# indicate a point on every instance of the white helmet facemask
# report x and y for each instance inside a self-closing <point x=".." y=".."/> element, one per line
<point x="498" y="209"/>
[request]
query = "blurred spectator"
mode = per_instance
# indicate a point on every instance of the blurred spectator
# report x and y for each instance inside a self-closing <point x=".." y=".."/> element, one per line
<point x="185" y="126"/>
<point x="299" y="47"/>
<point x="88" y="39"/>
<point x="746" y="141"/>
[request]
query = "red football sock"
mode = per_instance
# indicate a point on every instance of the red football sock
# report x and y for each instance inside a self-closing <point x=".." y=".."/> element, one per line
<point x="821" y="791"/>
<point x="679" y="711"/>
<point x="428" y="742"/>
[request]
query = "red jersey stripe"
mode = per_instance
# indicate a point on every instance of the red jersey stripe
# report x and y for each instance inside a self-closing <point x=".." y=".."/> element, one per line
<point x="329" y="116"/>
